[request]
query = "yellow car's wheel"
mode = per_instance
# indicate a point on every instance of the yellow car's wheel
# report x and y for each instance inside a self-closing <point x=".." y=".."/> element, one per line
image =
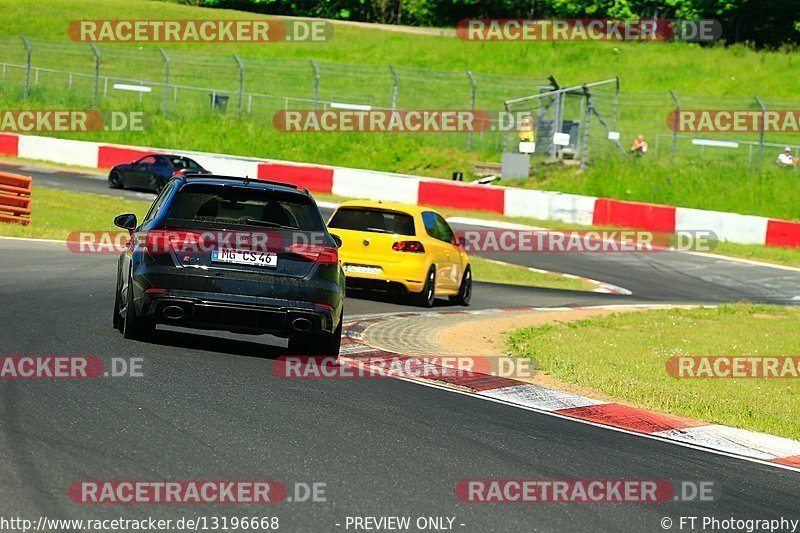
<point x="465" y="291"/>
<point x="426" y="297"/>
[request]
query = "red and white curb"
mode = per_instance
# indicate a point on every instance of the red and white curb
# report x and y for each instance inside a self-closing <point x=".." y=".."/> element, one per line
<point x="748" y="445"/>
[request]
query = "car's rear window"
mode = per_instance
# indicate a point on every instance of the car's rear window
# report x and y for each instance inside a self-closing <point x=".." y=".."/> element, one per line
<point x="214" y="204"/>
<point x="373" y="220"/>
<point x="184" y="162"/>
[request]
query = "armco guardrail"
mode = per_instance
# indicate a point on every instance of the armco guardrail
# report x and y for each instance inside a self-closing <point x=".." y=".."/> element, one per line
<point x="15" y="198"/>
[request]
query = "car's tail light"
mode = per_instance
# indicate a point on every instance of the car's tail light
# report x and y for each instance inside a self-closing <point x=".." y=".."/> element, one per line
<point x="409" y="246"/>
<point x="162" y="241"/>
<point x="316" y="252"/>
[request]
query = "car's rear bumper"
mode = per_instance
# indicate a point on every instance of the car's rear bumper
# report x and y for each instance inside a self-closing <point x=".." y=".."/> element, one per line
<point x="243" y="303"/>
<point x="380" y="282"/>
<point x="230" y="312"/>
<point x="393" y="275"/>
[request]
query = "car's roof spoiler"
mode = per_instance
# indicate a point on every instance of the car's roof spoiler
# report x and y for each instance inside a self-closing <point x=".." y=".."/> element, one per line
<point x="244" y="180"/>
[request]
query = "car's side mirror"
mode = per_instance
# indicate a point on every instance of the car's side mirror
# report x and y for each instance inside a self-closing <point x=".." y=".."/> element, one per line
<point x="126" y="221"/>
<point x="337" y="240"/>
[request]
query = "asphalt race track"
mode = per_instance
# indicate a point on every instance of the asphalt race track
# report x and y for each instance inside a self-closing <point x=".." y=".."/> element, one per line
<point x="209" y="407"/>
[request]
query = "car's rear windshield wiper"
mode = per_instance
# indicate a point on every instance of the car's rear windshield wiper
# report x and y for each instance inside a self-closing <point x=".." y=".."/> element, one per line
<point x="257" y="222"/>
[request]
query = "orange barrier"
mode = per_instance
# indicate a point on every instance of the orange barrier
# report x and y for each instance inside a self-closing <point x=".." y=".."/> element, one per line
<point x="15" y="198"/>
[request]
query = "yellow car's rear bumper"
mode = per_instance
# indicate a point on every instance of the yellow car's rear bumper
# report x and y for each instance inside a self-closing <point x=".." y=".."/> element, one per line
<point x="409" y="274"/>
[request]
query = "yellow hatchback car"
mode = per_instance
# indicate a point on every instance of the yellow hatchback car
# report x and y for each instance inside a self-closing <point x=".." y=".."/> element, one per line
<point x="391" y="246"/>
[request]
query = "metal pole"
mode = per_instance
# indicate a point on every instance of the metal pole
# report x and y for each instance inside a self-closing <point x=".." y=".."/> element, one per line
<point x="674" y="126"/>
<point x="241" y="85"/>
<point x="472" y="107"/>
<point x="587" y="98"/>
<point x="27" y="65"/>
<point x="760" y="134"/>
<point x="395" y="85"/>
<point x="96" y="74"/>
<point x="505" y="136"/>
<point x="582" y="116"/>
<point x="616" y="104"/>
<point x="316" y="82"/>
<point x="166" y="81"/>
<point x="556" y="127"/>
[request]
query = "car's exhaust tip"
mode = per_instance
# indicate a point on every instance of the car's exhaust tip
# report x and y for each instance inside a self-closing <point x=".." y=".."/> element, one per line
<point x="302" y="324"/>
<point x="173" y="312"/>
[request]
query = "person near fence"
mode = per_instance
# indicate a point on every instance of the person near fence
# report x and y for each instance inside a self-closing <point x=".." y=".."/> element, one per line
<point x="639" y="146"/>
<point x="526" y="130"/>
<point x="786" y="159"/>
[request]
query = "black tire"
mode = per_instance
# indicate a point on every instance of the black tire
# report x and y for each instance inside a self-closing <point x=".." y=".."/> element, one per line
<point x="323" y="344"/>
<point x="115" y="181"/>
<point x="426" y="297"/>
<point x="465" y="291"/>
<point x="118" y="321"/>
<point x="135" y="327"/>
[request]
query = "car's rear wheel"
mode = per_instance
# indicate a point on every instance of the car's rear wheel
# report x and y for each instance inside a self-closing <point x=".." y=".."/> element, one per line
<point x="115" y="181"/>
<point x="118" y="321"/>
<point x="325" y="344"/>
<point x="135" y="327"/>
<point x="465" y="291"/>
<point x="426" y="297"/>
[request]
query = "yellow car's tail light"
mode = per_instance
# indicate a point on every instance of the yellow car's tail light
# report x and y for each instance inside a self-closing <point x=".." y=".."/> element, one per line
<point x="409" y="246"/>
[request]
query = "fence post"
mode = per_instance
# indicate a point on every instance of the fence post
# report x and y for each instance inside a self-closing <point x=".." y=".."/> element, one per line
<point x="472" y="107"/>
<point x="556" y="124"/>
<point x="761" y="134"/>
<point x="674" y="126"/>
<point x="616" y="103"/>
<point x="27" y="65"/>
<point x="241" y="86"/>
<point x="395" y="85"/>
<point x="316" y="82"/>
<point x="587" y="101"/>
<point x="166" y="80"/>
<point x="96" y="74"/>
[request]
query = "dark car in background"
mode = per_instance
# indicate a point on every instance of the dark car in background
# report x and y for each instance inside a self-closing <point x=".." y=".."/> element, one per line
<point x="232" y="254"/>
<point x="152" y="172"/>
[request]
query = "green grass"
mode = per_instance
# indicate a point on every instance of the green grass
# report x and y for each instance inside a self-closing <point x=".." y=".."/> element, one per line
<point x="55" y="214"/>
<point x="624" y="356"/>
<point x="354" y="65"/>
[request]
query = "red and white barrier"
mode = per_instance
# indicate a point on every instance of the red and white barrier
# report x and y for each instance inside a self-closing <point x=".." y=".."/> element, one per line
<point x="387" y="186"/>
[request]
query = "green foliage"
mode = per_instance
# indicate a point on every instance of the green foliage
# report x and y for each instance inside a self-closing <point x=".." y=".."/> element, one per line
<point x="743" y="20"/>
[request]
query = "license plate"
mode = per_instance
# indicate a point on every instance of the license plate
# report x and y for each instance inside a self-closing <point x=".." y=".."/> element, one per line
<point x="243" y="257"/>
<point x="362" y="269"/>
